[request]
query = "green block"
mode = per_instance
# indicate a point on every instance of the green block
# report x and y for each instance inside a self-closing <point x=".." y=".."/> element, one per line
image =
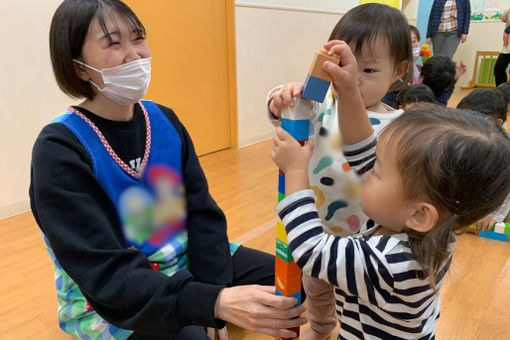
<point x="507" y="228"/>
<point x="280" y="196"/>
<point x="283" y="251"/>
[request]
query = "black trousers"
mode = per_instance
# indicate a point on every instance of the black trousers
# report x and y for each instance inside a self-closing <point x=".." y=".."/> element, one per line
<point x="500" y="75"/>
<point x="250" y="267"/>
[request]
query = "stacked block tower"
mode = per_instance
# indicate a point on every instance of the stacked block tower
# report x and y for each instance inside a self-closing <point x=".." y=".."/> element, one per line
<point x="296" y="121"/>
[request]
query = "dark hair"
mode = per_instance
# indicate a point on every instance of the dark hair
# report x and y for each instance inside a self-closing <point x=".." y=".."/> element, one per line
<point x="68" y="30"/>
<point x="416" y="93"/>
<point x="457" y="160"/>
<point x="365" y="24"/>
<point x="438" y="73"/>
<point x="487" y="101"/>
<point x="505" y="89"/>
<point x="413" y="28"/>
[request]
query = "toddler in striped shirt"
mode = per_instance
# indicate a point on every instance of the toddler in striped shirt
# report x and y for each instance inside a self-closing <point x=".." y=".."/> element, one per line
<point x="435" y="171"/>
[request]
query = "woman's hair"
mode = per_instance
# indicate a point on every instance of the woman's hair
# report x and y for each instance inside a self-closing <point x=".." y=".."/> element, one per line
<point x="415" y="31"/>
<point x="490" y="102"/>
<point x="417" y="93"/>
<point x="456" y="160"/>
<point x="365" y="24"/>
<point x="68" y="30"/>
<point x="438" y="73"/>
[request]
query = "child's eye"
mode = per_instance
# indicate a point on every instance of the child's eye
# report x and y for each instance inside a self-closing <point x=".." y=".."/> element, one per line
<point x="140" y="38"/>
<point x="369" y="70"/>
<point x="113" y="43"/>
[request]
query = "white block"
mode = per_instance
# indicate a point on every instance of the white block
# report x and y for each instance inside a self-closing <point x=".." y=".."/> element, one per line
<point x="499" y="228"/>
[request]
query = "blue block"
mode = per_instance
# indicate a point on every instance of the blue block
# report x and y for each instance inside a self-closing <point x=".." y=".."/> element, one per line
<point x="494" y="236"/>
<point x="297" y="128"/>
<point x="281" y="183"/>
<point x="315" y="88"/>
<point x="296" y="295"/>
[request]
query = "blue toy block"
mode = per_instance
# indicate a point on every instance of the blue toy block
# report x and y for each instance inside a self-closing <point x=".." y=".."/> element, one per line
<point x="281" y="184"/>
<point x="315" y="88"/>
<point x="493" y="235"/>
<point x="296" y="295"/>
<point x="297" y="128"/>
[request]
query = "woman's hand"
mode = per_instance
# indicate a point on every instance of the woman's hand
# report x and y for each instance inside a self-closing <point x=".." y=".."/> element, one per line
<point x="258" y="309"/>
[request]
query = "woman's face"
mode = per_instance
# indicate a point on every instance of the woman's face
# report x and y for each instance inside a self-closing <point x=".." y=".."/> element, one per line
<point x="99" y="52"/>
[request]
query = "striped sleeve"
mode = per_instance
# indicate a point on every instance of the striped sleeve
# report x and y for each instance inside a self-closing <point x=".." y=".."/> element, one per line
<point x="352" y="264"/>
<point x="361" y="156"/>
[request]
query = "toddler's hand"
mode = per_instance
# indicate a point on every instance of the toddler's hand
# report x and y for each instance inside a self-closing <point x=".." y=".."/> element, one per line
<point x="345" y="75"/>
<point x="284" y="97"/>
<point x="485" y="223"/>
<point x="288" y="154"/>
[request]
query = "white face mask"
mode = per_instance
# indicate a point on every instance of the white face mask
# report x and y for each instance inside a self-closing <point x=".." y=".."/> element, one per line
<point x="125" y="84"/>
<point x="416" y="52"/>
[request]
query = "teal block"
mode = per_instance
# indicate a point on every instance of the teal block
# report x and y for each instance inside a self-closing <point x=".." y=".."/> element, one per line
<point x="297" y="128"/>
<point x="295" y="295"/>
<point x="493" y="235"/>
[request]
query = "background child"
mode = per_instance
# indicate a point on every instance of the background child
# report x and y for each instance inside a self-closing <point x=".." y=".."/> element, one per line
<point x="493" y="104"/>
<point x="140" y="247"/>
<point x="412" y="94"/>
<point x="434" y="173"/>
<point x="438" y="73"/>
<point x="380" y="37"/>
<point x="504" y="88"/>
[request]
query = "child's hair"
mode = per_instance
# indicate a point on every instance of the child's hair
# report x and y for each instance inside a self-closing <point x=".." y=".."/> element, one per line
<point x="438" y="73"/>
<point x="505" y="89"/>
<point x="456" y="160"/>
<point x="413" y="29"/>
<point x="365" y="24"/>
<point x="68" y="30"/>
<point x="487" y="101"/>
<point x="417" y="93"/>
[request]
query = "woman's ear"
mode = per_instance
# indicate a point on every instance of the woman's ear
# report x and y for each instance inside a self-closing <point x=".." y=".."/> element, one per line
<point x="423" y="217"/>
<point x="81" y="71"/>
<point x="401" y="70"/>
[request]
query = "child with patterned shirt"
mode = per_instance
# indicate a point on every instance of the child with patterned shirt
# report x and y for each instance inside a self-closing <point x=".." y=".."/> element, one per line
<point x="433" y="173"/>
<point x="380" y="35"/>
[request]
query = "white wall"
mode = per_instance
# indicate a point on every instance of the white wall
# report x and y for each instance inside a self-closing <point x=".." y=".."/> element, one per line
<point x="273" y="47"/>
<point x="29" y="96"/>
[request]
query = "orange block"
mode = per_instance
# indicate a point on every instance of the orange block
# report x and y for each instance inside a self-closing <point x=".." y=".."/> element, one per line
<point x="288" y="286"/>
<point x="286" y="269"/>
<point x="318" y="60"/>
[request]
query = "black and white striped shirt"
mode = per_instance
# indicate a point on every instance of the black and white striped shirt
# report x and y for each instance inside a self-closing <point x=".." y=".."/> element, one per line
<point x="381" y="291"/>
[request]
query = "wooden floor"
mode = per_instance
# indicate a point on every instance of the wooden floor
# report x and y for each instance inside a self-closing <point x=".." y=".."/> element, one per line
<point x="475" y="298"/>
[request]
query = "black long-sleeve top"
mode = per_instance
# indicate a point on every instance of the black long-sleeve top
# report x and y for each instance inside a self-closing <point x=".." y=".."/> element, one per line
<point x="82" y="225"/>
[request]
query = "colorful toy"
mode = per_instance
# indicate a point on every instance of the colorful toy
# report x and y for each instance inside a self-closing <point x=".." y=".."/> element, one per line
<point x="296" y="121"/>
<point x="499" y="231"/>
<point x="425" y="53"/>
<point x="317" y="81"/>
